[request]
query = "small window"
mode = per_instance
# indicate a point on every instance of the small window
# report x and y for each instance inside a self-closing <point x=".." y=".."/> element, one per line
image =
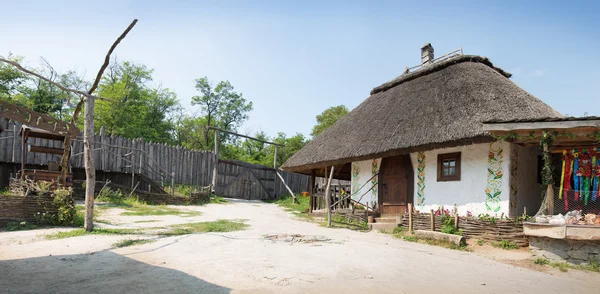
<point x="448" y="168"/>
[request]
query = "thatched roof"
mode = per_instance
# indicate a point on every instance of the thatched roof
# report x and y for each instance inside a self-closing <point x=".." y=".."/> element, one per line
<point x="440" y="105"/>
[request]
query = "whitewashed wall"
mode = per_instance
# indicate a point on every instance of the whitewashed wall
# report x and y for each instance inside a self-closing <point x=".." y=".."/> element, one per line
<point x="362" y="172"/>
<point x="469" y="194"/>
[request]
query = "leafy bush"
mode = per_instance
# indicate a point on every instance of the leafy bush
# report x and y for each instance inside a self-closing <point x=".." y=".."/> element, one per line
<point x="505" y="244"/>
<point x="16" y="226"/>
<point x="541" y="260"/>
<point x="480" y="242"/>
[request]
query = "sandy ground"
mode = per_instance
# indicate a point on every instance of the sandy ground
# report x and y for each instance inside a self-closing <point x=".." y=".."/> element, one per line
<point x="245" y="262"/>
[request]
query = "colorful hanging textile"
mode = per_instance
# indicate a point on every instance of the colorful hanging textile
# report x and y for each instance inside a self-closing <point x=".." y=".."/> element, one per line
<point x="596" y="164"/>
<point x="566" y="176"/>
<point x="575" y="176"/>
<point x="585" y="166"/>
<point x="562" y="174"/>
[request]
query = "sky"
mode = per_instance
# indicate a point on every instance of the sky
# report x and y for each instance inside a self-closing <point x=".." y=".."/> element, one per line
<point x="294" y="59"/>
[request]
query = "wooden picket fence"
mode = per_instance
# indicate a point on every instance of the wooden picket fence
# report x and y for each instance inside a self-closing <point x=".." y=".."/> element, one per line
<point x="160" y="162"/>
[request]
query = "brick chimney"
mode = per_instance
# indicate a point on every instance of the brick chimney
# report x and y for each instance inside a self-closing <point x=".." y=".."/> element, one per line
<point x="427" y="54"/>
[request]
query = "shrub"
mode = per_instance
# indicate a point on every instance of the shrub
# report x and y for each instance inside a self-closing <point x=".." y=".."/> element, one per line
<point x="541" y="260"/>
<point x="505" y="244"/>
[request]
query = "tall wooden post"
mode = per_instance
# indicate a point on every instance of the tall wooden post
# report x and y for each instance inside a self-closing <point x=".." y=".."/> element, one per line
<point x="216" y="163"/>
<point x="311" y="190"/>
<point x="14" y="142"/>
<point x="327" y="200"/>
<point x="275" y="173"/>
<point x="90" y="168"/>
<point x="432" y="220"/>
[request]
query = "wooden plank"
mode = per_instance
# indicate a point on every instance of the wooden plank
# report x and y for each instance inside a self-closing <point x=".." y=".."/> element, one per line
<point x="41" y="149"/>
<point x="583" y="232"/>
<point x="541" y="230"/>
<point x="540" y="125"/>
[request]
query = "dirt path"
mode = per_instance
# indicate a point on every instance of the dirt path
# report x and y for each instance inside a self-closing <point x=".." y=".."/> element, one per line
<point x="245" y="261"/>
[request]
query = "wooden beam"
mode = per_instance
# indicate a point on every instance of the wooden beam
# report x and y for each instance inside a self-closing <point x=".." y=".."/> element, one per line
<point x="244" y="136"/>
<point x="540" y="125"/>
<point x="311" y="190"/>
<point x="48" y="150"/>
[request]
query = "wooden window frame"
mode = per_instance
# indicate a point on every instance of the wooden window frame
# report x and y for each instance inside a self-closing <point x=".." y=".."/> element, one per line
<point x="444" y="156"/>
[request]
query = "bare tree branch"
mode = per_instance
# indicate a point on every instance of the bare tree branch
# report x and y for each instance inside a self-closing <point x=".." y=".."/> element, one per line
<point x="107" y="58"/>
<point x="21" y="68"/>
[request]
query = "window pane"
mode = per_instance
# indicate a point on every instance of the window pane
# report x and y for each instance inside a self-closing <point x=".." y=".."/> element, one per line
<point x="445" y="163"/>
<point x="444" y="171"/>
<point x="452" y="171"/>
<point x="452" y="162"/>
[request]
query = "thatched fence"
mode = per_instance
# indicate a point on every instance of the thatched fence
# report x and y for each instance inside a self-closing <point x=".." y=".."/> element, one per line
<point x="24" y="208"/>
<point x="504" y="229"/>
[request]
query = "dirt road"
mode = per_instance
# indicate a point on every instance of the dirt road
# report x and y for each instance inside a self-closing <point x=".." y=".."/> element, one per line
<point x="246" y="262"/>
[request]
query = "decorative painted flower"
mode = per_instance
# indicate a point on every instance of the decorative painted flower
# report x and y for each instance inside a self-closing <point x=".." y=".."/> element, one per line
<point x="499" y="173"/>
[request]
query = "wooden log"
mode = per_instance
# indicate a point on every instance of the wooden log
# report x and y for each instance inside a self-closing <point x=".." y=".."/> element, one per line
<point x="327" y="200"/>
<point x="90" y="168"/>
<point x="455" y="239"/>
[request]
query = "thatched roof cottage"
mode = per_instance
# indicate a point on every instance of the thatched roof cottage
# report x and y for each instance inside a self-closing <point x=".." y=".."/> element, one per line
<point x="419" y="139"/>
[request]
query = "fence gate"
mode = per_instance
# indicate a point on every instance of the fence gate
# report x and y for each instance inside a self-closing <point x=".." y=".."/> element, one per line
<point x="245" y="181"/>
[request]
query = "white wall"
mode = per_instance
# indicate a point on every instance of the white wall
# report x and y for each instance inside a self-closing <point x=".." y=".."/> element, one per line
<point x="362" y="172"/>
<point x="528" y="189"/>
<point x="469" y="194"/>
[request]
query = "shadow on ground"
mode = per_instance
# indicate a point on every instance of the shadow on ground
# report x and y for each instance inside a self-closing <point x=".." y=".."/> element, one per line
<point x="101" y="272"/>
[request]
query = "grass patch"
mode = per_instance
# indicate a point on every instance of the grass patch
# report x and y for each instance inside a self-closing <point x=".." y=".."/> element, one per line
<point x="541" y="261"/>
<point x="480" y="242"/>
<point x="82" y="232"/>
<point x="219" y="200"/>
<point x="131" y="242"/>
<point x="505" y="244"/>
<point x="20" y="226"/>
<point x="221" y="226"/>
<point x="299" y="209"/>
<point x="339" y="221"/>
<point x="590" y="266"/>
<point x="135" y="207"/>
<point x="142" y="210"/>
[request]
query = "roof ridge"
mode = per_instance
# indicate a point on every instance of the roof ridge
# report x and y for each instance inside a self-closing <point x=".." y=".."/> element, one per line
<point x="436" y="67"/>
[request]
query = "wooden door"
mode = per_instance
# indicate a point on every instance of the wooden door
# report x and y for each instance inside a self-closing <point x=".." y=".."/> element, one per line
<point x="395" y="185"/>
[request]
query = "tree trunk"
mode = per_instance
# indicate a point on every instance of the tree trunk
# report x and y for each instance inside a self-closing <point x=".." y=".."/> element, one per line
<point x="90" y="169"/>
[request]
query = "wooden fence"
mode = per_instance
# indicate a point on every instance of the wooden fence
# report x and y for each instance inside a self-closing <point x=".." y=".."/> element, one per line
<point x="498" y="230"/>
<point x="161" y="163"/>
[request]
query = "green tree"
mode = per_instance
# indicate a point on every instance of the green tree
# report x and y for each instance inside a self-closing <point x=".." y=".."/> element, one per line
<point x="136" y="109"/>
<point x="221" y="106"/>
<point x="327" y="118"/>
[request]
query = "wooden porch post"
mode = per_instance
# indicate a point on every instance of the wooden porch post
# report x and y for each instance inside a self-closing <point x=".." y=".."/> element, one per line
<point x="549" y="189"/>
<point x="311" y="190"/>
<point x="327" y="200"/>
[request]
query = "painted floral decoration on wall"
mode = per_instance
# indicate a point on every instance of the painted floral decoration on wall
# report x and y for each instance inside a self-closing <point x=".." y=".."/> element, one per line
<point x="355" y="174"/>
<point x="374" y="171"/>
<point x="514" y="167"/>
<point x="493" y="189"/>
<point x="421" y="179"/>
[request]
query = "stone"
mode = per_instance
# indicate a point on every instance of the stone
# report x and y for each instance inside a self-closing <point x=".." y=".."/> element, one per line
<point x="555" y="255"/>
<point x="581" y="255"/>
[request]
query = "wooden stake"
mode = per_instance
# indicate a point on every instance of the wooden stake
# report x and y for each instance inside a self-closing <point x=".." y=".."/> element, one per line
<point x="14" y="142"/>
<point x="432" y="221"/>
<point x="456" y="222"/>
<point x="90" y="168"/>
<point x="216" y="163"/>
<point x="410" y="219"/>
<point x="311" y="190"/>
<point x="549" y="189"/>
<point x="327" y="200"/>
